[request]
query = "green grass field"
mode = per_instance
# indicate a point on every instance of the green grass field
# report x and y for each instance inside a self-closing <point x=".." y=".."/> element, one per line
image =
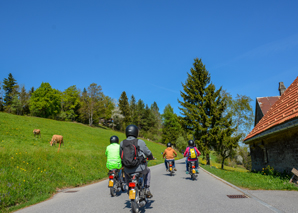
<point x="31" y="170"/>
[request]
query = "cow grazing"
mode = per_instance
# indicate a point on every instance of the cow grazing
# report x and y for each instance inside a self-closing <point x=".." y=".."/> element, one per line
<point x="36" y="132"/>
<point x="57" y="139"/>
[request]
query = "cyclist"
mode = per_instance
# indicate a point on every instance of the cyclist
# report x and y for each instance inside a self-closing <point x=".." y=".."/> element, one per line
<point x="192" y="154"/>
<point x="113" y="157"/>
<point x="143" y="152"/>
<point x="169" y="155"/>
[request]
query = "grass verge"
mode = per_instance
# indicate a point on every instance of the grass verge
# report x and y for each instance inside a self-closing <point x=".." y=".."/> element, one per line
<point x="249" y="180"/>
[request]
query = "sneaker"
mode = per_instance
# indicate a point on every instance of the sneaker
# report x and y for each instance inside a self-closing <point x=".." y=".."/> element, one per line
<point x="175" y="169"/>
<point x="148" y="193"/>
<point x="187" y="172"/>
<point x="197" y="171"/>
<point x="167" y="170"/>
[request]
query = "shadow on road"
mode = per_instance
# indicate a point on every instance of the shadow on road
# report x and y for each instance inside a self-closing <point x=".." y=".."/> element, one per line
<point x="143" y="209"/>
<point x="168" y="174"/>
<point x="189" y="178"/>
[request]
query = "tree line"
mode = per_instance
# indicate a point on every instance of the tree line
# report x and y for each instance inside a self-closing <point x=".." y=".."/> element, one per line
<point x="212" y="117"/>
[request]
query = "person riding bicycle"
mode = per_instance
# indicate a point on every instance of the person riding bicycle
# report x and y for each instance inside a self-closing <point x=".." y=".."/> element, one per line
<point x="169" y="155"/>
<point x="138" y="163"/>
<point x="192" y="154"/>
<point x="113" y="157"/>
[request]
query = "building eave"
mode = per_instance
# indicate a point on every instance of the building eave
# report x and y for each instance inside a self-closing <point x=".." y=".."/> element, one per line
<point x="282" y="127"/>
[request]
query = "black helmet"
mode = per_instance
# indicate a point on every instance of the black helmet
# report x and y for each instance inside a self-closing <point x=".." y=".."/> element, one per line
<point x="169" y="145"/>
<point x="191" y="143"/>
<point x="114" y="139"/>
<point x="132" y="130"/>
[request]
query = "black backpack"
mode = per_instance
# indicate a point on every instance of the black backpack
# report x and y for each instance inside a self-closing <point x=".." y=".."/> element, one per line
<point x="129" y="153"/>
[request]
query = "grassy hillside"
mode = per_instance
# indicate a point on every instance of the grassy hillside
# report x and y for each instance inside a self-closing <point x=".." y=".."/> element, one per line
<point x="31" y="170"/>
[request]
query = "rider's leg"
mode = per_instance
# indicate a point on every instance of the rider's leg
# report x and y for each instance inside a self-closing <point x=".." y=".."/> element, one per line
<point x="147" y="178"/>
<point x="147" y="183"/>
<point x="186" y="164"/>
<point x="196" y="165"/>
<point x="166" y="164"/>
<point x="120" y="175"/>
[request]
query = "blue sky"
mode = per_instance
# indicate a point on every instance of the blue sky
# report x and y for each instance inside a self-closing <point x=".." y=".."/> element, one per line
<point x="147" y="47"/>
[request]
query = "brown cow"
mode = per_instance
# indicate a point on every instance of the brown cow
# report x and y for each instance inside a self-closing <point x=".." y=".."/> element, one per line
<point x="57" y="139"/>
<point x="36" y="132"/>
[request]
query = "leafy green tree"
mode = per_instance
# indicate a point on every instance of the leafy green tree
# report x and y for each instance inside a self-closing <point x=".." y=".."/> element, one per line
<point x="171" y="127"/>
<point x="106" y="108"/>
<point x="9" y="87"/>
<point x="95" y="96"/>
<point x="242" y="113"/>
<point x="202" y="109"/>
<point x="181" y="143"/>
<point x="70" y="103"/>
<point x="117" y="116"/>
<point x="45" y="102"/>
<point x="124" y="107"/>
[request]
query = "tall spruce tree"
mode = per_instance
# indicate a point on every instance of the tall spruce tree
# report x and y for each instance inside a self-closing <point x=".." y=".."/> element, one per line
<point x="9" y="85"/>
<point x="202" y="108"/>
<point x="124" y="107"/>
<point x="171" y="129"/>
<point x="133" y="110"/>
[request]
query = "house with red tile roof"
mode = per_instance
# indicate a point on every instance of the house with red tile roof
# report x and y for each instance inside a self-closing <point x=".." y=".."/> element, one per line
<point x="274" y="139"/>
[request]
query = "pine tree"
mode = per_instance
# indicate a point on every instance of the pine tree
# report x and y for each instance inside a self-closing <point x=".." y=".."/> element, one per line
<point x="171" y="127"/>
<point x="9" y="84"/>
<point x="202" y="108"/>
<point x="124" y="107"/>
<point x="133" y="110"/>
<point x="140" y="114"/>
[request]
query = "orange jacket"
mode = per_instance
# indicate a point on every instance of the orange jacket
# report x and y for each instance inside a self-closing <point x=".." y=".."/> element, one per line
<point x="169" y="153"/>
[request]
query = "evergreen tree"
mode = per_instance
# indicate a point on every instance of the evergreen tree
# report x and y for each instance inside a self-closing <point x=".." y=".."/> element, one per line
<point x="140" y="114"/>
<point x="1" y="98"/>
<point x="9" y="85"/>
<point x="171" y="129"/>
<point x="83" y="110"/>
<point x="124" y="107"/>
<point x="202" y="109"/>
<point x="133" y="110"/>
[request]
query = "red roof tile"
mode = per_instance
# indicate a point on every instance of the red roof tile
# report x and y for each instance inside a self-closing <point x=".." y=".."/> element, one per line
<point x="266" y="102"/>
<point x="284" y="109"/>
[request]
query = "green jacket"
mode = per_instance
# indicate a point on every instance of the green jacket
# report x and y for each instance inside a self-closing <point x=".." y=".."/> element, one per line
<point x="113" y="156"/>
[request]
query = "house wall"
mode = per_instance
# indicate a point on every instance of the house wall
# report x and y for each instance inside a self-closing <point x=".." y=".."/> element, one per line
<point x="279" y="150"/>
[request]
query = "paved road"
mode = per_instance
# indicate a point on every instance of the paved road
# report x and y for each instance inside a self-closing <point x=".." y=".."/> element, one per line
<point x="171" y="194"/>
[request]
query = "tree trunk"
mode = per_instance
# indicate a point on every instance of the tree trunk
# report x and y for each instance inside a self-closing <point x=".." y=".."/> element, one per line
<point x="207" y="159"/>
<point x="222" y="163"/>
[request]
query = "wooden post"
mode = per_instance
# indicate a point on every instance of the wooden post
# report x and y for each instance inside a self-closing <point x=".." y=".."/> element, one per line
<point x="295" y="176"/>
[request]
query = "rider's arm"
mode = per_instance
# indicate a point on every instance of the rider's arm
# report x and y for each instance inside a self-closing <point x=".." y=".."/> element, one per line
<point x="145" y="149"/>
<point x="175" y="153"/>
<point x="186" y="151"/>
<point x="164" y="154"/>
